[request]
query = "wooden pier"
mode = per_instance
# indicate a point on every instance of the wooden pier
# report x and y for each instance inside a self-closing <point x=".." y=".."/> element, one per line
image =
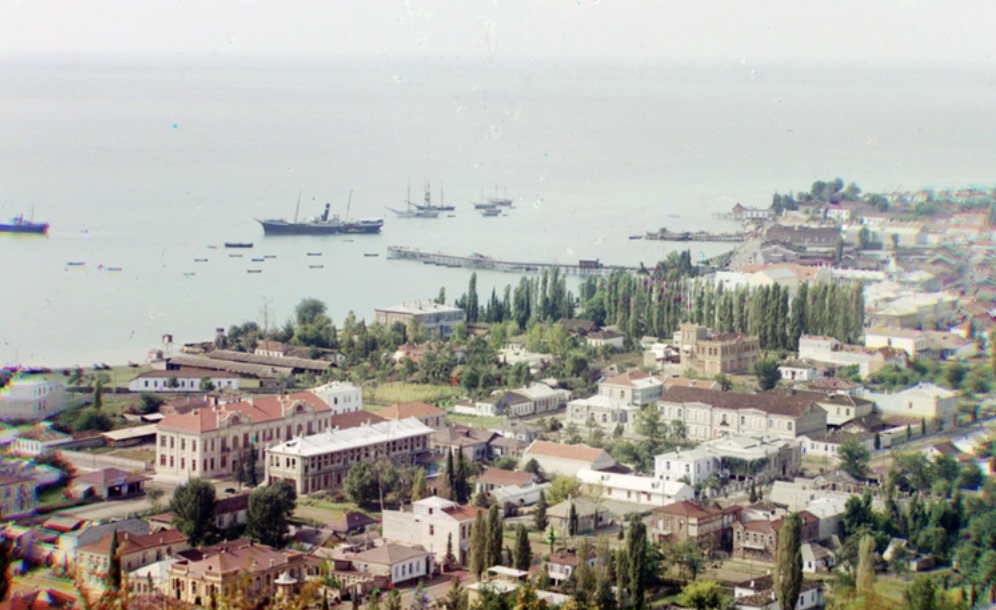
<point x="486" y="263"/>
<point x="665" y="235"/>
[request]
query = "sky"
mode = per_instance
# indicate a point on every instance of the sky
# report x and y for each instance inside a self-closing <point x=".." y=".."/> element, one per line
<point x="649" y="30"/>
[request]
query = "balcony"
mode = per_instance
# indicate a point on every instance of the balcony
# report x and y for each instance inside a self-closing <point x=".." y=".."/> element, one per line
<point x="750" y="544"/>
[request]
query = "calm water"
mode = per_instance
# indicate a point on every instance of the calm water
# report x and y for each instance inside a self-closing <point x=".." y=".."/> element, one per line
<point x="142" y="167"/>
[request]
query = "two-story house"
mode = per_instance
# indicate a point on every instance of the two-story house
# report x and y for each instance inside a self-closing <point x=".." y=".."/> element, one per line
<point x="709" y="524"/>
<point x="433" y="524"/>
<point x="633" y="387"/>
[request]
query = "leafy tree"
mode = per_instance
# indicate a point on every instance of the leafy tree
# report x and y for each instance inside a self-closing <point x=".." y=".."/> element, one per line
<point x="270" y="508"/>
<point x="572" y="521"/>
<point x="172" y="382"/>
<point x="247" y="474"/>
<point x="622" y="574"/>
<point x="206" y="385"/>
<point x="420" y="488"/>
<point x="923" y="594"/>
<point x="788" y="562"/>
<point x="649" y="424"/>
<point x="725" y="383"/>
<point x="194" y="506"/>
<point x="767" y="373"/>
<point x="360" y="484"/>
<point x="456" y="597"/>
<point x="866" y="565"/>
<point x="605" y="599"/>
<point x="478" y="545"/>
<point x="702" y="595"/>
<point x="114" y="565"/>
<point x="393" y="601"/>
<point x="155" y="496"/>
<point x="540" y="520"/>
<point x="864" y="238"/>
<point x="562" y="488"/>
<point x="586" y="577"/>
<point x="854" y="458"/>
<point x="92" y="419"/>
<point x="150" y="402"/>
<point x="462" y="488"/>
<point x="523" y="551"/>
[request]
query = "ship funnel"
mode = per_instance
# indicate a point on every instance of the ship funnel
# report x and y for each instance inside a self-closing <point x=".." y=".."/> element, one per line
<point x="325" y="216"/>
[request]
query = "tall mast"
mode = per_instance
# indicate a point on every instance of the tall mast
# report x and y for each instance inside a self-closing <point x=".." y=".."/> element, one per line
<point x="442" y="202"/>
<point x="349" y="203"/>
<point x="298" y="210"/>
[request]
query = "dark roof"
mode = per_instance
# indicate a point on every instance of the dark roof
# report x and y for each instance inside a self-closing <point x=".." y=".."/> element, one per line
<point x="233" y="504"/>
<point x="773" y="401"/>
<point x="354" y="419"/>
<point x="759" y="583"/>
<point x="461" y="435"/>
<point x="110" y="477"/>
<point x="351" y="522"/>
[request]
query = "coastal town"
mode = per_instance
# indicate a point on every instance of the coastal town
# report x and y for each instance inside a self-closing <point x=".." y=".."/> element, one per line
<point x="806" y="421"/>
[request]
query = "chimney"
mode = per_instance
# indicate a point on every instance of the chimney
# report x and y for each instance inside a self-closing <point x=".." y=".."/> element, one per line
<point x="271" y="563"/>
<point x="126" y="536"/>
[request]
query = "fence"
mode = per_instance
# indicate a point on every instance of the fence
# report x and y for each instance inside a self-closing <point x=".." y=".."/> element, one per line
<point x="99" y="461"/>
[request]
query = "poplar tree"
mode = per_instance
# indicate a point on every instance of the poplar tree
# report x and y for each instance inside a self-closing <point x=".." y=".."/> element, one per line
<point x="461" y="493"/>
<point x="788" y="562"/>
<point x="539" y="517"/>
<point x="636" y="549"/>
<point x="450" y="477"/>
<point x="523" y="551"/>
<point x="584" y="572"/>
<point x="478" y="545"/>
<point x="420" y="488"/>
<point x="866" y="565"/>
<point x="622" y="574"/>
<point x="494" y="539"/>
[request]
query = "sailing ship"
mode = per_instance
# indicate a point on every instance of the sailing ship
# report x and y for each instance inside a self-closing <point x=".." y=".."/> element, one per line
<point x="442" y="207"/>
<point x="414" y="210"/>
<point x="20" y="224"/>
<point x="504" y="201"/>
<point x="325" y="224"/>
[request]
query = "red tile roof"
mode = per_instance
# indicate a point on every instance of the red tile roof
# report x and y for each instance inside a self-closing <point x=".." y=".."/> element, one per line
<point x="354" y="419"/>
<point x="773" y="401"/>
<point x="259" y="409"/>
<point x="129" y="543"/>
<point x="498" y="476"/>
<point x="689" y="509"/>
<point x="467" y="512"/>
<point x="410" y="409"/>
<point x="626" y="379"/>
<point x="581" y="453"/>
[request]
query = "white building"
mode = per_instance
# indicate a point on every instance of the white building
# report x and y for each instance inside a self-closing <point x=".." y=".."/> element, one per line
<point x="555" y="458"/>
<point x="434" y="316"/>
<point x="400" y="563"/>
<point x="922" y="400"/>
<point x="32" y="397"/>
<point x="431" y="524"/>
<point x="604" y="412"/>
<point x="183" y="380"/>
<point x="534" y="399"/>
<point x="691" y="465"/>
<point x="40" y="440"/>
<point x="634" y="387"/>
<point x="605" y="337"/>
<point x="828" y="445"/>
<point x="910" y="341"/>
<point x="636" y="489"/>
<point x="868" y="359"/>
<point x="275" y="349"/>
<point x="340" y="396"/>
<point x="729" y="456"/>
<point x="320" y="461"/>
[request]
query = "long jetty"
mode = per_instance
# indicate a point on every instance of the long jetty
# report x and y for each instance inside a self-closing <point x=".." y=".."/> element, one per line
<point x="665" y="235"/>
<point x="486" y="263"/>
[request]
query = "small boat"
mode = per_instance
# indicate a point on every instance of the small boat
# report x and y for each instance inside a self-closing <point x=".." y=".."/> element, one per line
<point x="75" y="264"/>
<point x="451" y="215"/>
<point x="238" y="244"/>
<point x="316" y="266"/>
<point x="348" y="241"/>
<point x="213" y="247"/>
<point x="20" y="224"/>
<point x="254" y="271"/>
<point x="114" y="268"/>
<point x="189" y="274"/>
<point x="234" y="256"/>
<point x="490" y="212"/>
<point x="133" y="365"/>
<point x="371" y="254"/>
<point x="258" y="260"/>
<point x="200" y="260"/>
<point x="636" y="237"/>
<point x="270" y="256"/>
<point x="314" y="253"/>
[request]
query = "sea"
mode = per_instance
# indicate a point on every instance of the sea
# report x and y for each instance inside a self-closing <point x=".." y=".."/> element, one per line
<point x="146" y="166"/>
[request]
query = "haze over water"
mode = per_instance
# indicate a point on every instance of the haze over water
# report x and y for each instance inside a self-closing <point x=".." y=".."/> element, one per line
<point x="142" y="166"/>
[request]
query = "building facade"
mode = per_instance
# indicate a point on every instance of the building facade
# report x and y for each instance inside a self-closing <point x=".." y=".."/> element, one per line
<point x="212" y="441"/>
<point x="433" y="523"/>
<point x="602" y="411"/>
<point x="183" y="380"/>
<point x="31" y="398"/>
<point x="709" y="524"/>
<point x="635" y="489"/>
<point x="709" y="414"/>
<point x="18" y="497"/>
<point x="634" y="387"/>
<point x="709" y="353"/>
<point x="319" y="462"/>
<point x="555" y="458"/>
<point x="341" y="397"/>
<point x="436" y="317"/>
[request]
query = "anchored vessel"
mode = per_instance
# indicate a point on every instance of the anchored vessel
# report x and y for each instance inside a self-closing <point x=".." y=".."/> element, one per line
<point x="322" y="225"/>
<point x="414" y="210"/>
<point x="20" y="224"/>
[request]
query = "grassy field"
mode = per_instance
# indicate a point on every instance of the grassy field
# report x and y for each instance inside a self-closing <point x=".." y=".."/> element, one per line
<point x="473" y="421"/>
<point x="147" y="455"/>
<point x="391" y="393"/>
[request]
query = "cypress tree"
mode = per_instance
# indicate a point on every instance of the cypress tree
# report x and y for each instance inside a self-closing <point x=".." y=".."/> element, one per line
<point x="523" y="551"/>
<point x="114" y="565"/>
<point x="572" y="521"/>
<point x="478" y="545"/>
<point x="539" y="517"/>
<point x="636" y="549"/>
<point x="866" y="565"/>
<point x="450" y="477"/>
<point x="461" y="493"/>
<point x="604" y="598"/>
<point x="494" y="541"/>
<point x="585" y="573"/>
<point x="797" y="322"/>
<point x="788" y="562"/>
<point x="622" y="575"/>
